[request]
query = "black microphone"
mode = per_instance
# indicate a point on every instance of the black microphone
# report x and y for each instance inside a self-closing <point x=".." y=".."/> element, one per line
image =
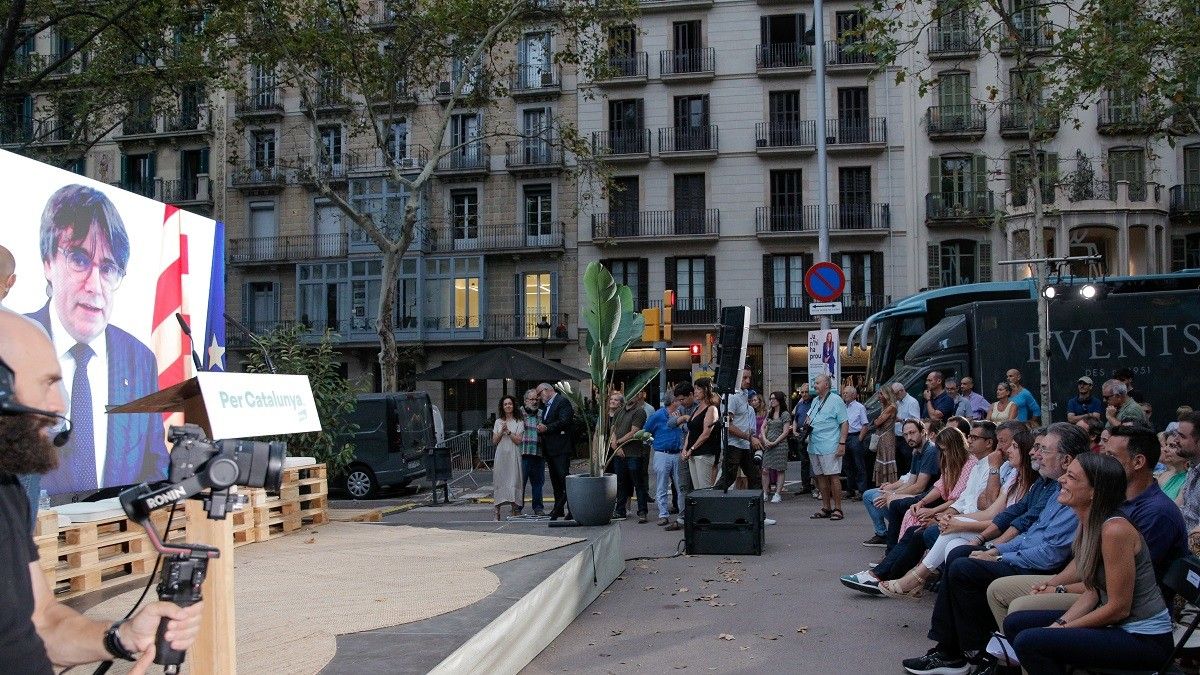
<point x="187" y="330"/>
<point x="8" y="407"/>
<point x="262" y="348"/>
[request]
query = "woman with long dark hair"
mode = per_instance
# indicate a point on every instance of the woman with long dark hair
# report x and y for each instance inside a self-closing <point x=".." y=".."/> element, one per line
<point x="703" y="438"/>
<point x="507" y="434"/>
<point x="775" y="430"/>
<point x="1120" y="620"/>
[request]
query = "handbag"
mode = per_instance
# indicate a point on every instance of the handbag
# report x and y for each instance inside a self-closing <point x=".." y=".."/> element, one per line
<point x="1002" y="650"/>
<point x="873" y="444"/>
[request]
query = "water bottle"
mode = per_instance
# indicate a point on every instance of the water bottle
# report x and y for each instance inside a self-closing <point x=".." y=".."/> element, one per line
<point x="44" y="501"/>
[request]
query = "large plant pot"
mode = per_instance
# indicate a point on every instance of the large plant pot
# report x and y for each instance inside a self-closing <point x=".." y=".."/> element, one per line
<point x="592" y="498"/>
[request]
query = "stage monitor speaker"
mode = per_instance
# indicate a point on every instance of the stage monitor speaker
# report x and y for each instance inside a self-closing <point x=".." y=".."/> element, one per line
<point x="723" y="523"/>
<point x="731" y="348"/>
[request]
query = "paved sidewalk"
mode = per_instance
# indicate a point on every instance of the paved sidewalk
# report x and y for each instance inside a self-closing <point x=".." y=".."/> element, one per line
<point x="785" y="610"/>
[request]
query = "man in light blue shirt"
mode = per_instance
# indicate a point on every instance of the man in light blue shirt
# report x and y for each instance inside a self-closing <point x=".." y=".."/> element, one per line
<point x="1027" y="406"/>
<point x="743" y="441"/>
<point x="907" y="408"/>
<point x="827" y="446"/>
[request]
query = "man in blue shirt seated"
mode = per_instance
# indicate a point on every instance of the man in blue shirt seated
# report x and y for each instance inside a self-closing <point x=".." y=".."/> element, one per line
<point x="1084" y="405"/>
<point x="961" y="622"/>
<point x="939" y="405"/>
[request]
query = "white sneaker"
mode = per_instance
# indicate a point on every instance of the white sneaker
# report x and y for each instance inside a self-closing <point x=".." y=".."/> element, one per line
<point x="776" y="499"/>
<point x="768" y="521"/>
<point x="862" y="577"/>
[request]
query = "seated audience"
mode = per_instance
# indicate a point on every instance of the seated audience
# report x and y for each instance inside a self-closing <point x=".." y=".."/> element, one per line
<point x="887" y="503"/>
<point x="1171" y="480"/>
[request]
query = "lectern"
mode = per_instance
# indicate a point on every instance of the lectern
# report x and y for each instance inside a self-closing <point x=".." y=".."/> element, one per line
<point x="227" y="405"/>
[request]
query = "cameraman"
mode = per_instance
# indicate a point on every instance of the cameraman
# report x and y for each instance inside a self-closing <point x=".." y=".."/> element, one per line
<point x="35" y="629"/>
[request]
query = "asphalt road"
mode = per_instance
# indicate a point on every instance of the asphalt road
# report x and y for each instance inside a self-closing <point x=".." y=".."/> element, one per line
<point x="782" y="612"/>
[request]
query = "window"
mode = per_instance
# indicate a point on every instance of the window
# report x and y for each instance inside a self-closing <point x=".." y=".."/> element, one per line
<point x="408" y="295"/>
<point x="77" y="166"/>
<point x="533" y="57"/>
<point x="452" y="293"/>
<point x="535" y="129"/>
<point x="1191" y="165"/>
<point x="190" y="99"/>
<point x="782" y="41"/>
<point x="864" y="278"/>
<point x="537" y="302"/>
<point x="539" y="212"/>
<point x="689" y="203"/>
<point x="786" y="128"/>
<point x="959" y="261"/>
<point x="783" y="287"/>
<point x="328" y="227"/>
<point x="1019" y="176"/>
<point x="1123" y="106"/>
<point x="954" y="101"/>
<point x="464" y="218"/>
<point x="384" y="200"/>
<point x="331" y="146"/>
<point x="953" y="26"/>
<point x="138" y="173"/>
<point x="460" y="72"/>
<point x="623" y="59"/>
<point x="631" y="272"/>
<point x="263" y="149"/>
<point x="397" y="140"/>
<point x="323" y="290"/>
<point x="1129" y="165"/>
<point x="694" y="281"/>
<point x="260" y="309"/>
<point x="262" y="220"/>
<point x="854" y="198"/>
<point x="786" y="212"/>
<point x="691" y="123"/>
<point x="688" y="53"/>
<point x="464" y="138"/>
<point x="1185" y="252"/>
<point x="848" y="26"/>
<point x="365" y="284"/>
<point x="853" y="125"/>
<point x="1025" y="85"/>
<point x="623" y="205"/>
<point x="626" y="127"/>
<point x="262" y="86"/>
<point x="959" y="182"/>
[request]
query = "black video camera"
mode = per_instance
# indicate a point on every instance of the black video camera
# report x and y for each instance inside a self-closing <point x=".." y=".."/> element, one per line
<point x="198" y="464"/>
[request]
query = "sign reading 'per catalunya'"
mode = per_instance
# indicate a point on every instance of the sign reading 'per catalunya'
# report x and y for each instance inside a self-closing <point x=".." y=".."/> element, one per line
<point x="243" y="405"/>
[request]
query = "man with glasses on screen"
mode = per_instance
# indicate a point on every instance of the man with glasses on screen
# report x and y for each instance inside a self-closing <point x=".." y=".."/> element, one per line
<point x="85" y="253"/>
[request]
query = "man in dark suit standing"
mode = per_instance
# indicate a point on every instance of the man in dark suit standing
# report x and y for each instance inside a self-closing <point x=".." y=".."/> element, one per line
<point x="558" y="441"/>
<point x="85" y="252"/>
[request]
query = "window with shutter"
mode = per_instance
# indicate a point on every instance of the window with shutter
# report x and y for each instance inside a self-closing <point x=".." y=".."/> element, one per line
<point x="985" y="261"/>
<point x="934" y="266"/>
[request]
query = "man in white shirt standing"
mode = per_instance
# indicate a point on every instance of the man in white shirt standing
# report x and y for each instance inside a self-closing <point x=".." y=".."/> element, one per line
<point x="907" y="408"/>
<point x="857" y="479"/>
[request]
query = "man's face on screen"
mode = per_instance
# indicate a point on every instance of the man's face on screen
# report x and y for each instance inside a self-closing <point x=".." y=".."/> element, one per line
<point x="82" y="276"/>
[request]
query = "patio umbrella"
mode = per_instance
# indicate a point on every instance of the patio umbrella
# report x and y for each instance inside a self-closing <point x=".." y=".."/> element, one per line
<point x="503" y="363"/>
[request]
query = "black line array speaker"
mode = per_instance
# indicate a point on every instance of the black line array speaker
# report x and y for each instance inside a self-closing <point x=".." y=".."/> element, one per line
<point x="723" y="523"/>
<point x="731" y="348"/>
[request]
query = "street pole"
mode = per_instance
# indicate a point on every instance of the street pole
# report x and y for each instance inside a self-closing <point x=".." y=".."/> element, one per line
<point x="822" y="163"/>
<point x="662" y="373"/>
<point x="1041" y="282"/>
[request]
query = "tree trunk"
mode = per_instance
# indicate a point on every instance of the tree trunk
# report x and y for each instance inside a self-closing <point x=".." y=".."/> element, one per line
<point x="388" y="360"/>
<point x="1038" y="246"/>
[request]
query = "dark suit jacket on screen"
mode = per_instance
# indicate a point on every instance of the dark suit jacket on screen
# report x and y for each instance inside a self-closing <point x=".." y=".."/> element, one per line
<point x="136" y="448"/>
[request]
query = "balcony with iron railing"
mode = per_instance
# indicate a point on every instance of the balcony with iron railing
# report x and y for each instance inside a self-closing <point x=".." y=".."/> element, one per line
<point x="1016" y="116"/>
<point x="257" y="177"/>
<point x="495" y="237"/>
<point x="622" y="144"/>
<point x="652" y="6"/>
<point x="328" y="169"/>
<point x="848" y="55"/>
<point x="687" y="64"/>
<point x="139" y="186"/>
<point x="620" y="68"/>
<point x="962" y="122"/>
<point x="378" y="162"/>
<point x="139" y="125"/>
<point x="287" y="248"/>
<point x="1088" y="199"/>
<point x="856" y="133"/>
<point x="1185" y="200"/>
<point x="789" y="58"/>
<point x="17" y="133"/>
<point x="960" y="207"/>
<point x="532" y="81"/>
<point x="195" y="190"/>
<point x="698" y="223"/>
<point x="687" y="142"/>
<point x="329" y="98"/>
<point x="954" y="42"/>
<point x="470" y="160"/>
<point x="73" y="65"/>
<point x="533" y="155"/>
<point x="785" y="137"/>
<point x="1123" y="117"/>
<point x="1111" y="191"/>
<point x="692" y="311"/>
<point x="261" y="103"/>
<point x="856" y="307"/>
<point x="847" y="218"/>
<point x="1035" y="35"/>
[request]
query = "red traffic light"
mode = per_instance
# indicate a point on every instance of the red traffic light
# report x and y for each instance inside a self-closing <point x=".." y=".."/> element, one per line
<point x="695" y="351"/>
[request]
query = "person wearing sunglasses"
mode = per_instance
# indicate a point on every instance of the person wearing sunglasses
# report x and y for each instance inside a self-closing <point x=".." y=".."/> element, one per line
<point x="85" y="254"/>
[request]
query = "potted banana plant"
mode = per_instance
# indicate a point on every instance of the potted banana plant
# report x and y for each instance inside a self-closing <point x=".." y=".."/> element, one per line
<point x="613" y="326"/>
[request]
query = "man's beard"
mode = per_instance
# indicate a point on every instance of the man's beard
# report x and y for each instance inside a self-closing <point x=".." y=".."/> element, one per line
<point x="24" y="448"/>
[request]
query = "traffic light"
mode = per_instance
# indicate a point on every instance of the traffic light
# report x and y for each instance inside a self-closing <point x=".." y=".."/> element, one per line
<point x="696" y="352"/>
<point x="668" y="309"/>
<point x="650" y="332"/>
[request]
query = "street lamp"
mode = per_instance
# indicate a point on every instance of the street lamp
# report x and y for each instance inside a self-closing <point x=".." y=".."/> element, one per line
<point x="543" y="329"/>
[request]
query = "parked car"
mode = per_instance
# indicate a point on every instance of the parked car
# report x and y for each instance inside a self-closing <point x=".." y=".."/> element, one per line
<point x="395" y="430"/>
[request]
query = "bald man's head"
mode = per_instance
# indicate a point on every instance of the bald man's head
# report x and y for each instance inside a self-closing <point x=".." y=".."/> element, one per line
<point x="8" y="272"/>
<point x="25" y="348"/>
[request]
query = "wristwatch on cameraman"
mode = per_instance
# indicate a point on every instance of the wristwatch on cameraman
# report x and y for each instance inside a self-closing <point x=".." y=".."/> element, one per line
<point x="113" y="645"/>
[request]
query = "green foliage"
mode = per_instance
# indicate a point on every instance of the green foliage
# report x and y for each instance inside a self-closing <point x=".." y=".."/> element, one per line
<point x="608" y="312"/>
<point x="294" y="353"/>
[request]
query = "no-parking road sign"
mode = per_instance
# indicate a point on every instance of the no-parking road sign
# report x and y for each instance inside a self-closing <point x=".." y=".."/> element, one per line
<point x="824" y="282"/>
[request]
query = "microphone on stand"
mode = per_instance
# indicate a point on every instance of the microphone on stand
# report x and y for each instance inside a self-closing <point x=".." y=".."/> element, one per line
<point x="187" y="330"/>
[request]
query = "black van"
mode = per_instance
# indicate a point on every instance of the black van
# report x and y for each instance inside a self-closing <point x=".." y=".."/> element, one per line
<point x="395" y="430"/>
